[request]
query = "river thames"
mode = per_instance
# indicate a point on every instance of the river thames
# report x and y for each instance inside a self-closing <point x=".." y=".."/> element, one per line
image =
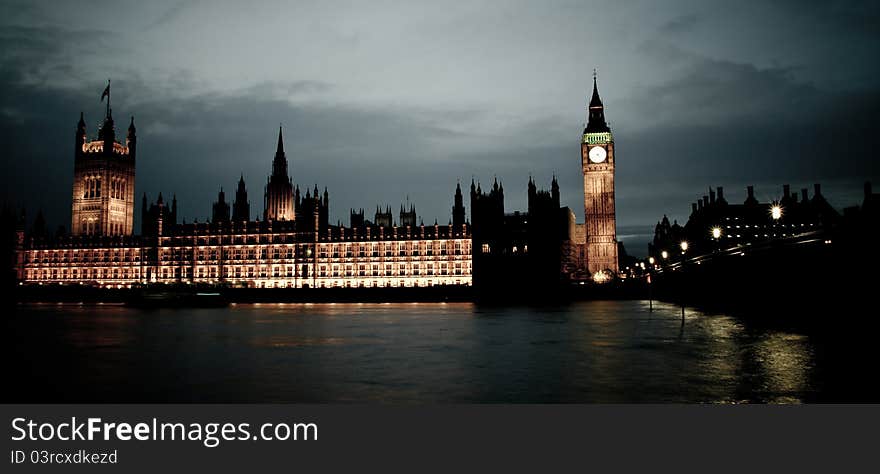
<point x="600" y="351"/>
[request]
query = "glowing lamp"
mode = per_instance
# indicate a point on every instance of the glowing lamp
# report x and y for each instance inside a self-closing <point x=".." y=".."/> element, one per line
<point x="776" y="212"/>
<point x="664" y="254"/>
<point x="600" y="277"/>
<point x="716" y="233"/>
<point x="684" y="246"/>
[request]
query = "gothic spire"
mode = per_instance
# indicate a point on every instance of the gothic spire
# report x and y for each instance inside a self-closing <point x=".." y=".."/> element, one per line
<point x="279" y="164"/>
<point x="596" y="115"/>
<point x="280" y="150"/>
<point x="595" y="101"/>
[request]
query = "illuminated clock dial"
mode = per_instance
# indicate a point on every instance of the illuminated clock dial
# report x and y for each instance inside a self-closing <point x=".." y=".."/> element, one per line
<point x="597" y="154"/>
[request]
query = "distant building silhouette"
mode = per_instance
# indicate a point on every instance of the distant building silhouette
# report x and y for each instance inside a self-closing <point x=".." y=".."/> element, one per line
<point x="715" y="223"/>
<point x="521" y="251"/>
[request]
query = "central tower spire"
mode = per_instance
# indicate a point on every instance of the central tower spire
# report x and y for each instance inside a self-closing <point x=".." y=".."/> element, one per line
<point x="279" y="164"/>
<point x="278" y="199"/>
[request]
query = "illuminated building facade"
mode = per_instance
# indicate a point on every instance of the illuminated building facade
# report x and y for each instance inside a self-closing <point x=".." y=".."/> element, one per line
<point x="294" y="247"/>
<point x="103" y="180"/>
<point x="263" y="254"/>
<point x="598" y="161"/>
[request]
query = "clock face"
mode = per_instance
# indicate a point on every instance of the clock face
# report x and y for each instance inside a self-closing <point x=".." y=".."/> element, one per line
<point x="597" y="154"/>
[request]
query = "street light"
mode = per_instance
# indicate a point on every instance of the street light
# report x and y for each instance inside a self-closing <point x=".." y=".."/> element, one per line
<point x="651" y="260"/>
<point x="684" y="246"/>
<point x="664" y="254"/>
<point x="716" y="233"/>
<point x="776" y="212"/>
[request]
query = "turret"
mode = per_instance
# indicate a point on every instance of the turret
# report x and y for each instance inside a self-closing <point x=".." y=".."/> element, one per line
<point x="220" y="211"/>
<point x="144" y="224"/>
<point x="720" y="199"/>
<point x="173" y="209"/>
<point x="131" y="139"/>
<point x="80" y="134"/>
<point x="241" y="208"/>
<point x="458" y="212"/>
<point x="750" y="200"/>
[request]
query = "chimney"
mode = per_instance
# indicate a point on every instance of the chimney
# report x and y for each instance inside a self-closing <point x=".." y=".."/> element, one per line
<point x="804" y="194"/>
<point x="693" y="208"/>
<point x="700" y="205"/>
<point x="705" y="201"/>
<point x="786" y="191"/>
<point x="751" y="191"/>
<point x="720" y="193"/>
<point x="711" y="196"/>
<point x="817" y="190"/>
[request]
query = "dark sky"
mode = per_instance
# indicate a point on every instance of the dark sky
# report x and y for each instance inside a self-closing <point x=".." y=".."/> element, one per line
<point x="384" y="100"/>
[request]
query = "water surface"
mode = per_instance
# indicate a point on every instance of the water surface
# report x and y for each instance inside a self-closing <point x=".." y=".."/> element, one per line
<point x="602" y="351"/>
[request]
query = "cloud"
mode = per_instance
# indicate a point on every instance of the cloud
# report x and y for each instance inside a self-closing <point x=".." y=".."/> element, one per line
<point x="171" y="14"/>
<point x="380" y="104"/>
<point x="680" y="24"/>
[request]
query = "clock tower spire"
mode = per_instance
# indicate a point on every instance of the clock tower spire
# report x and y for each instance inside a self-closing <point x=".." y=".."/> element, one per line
<point x="597" y="164"/>
<point x="596" y="112"/>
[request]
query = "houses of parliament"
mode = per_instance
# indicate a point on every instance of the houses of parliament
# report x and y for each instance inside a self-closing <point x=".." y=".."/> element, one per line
<point x="293" y="245"/>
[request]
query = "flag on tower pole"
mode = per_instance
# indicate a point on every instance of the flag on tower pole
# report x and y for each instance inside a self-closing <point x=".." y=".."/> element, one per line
<point x="107" y="95"/>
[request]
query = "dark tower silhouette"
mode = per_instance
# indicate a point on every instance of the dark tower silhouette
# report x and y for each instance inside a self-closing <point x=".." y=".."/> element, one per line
<point x="278" y="201"/>
<point x="408" y="216"/>
<point x="131" y="140"/>
<point x="221" y="209"/>
<point x="384" y="218"/>
<point x="241" y="208"/>
<point x="312" y="210"/>
<point x="158" y="219"/>
<point x="554" y="192"/>
<point x="458" y="212"/>
<point x="80" y="135"/>
<point x="356" y="218"/>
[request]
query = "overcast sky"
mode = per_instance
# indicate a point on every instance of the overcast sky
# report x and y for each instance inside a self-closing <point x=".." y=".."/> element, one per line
<point x="384" y="100"/>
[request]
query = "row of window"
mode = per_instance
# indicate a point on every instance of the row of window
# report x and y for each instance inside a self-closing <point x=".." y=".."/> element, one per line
<point x="181" y="241"/>
<point x="67" y="256"/>
<point x="83" y="274"/>
<point x="92" y="187"/>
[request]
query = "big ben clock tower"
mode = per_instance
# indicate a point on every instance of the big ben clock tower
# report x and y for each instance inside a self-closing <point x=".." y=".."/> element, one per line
<point x="597" y="162"/>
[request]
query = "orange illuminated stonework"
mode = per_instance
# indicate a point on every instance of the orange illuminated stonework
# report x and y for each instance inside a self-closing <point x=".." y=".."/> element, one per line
<point x="103" y="182"/>
<point x="598" y="162"/>
<point x="260" y="255"/>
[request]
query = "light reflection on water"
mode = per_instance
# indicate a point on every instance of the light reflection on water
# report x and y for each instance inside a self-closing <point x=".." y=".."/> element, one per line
<point x="603" y="351"/>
